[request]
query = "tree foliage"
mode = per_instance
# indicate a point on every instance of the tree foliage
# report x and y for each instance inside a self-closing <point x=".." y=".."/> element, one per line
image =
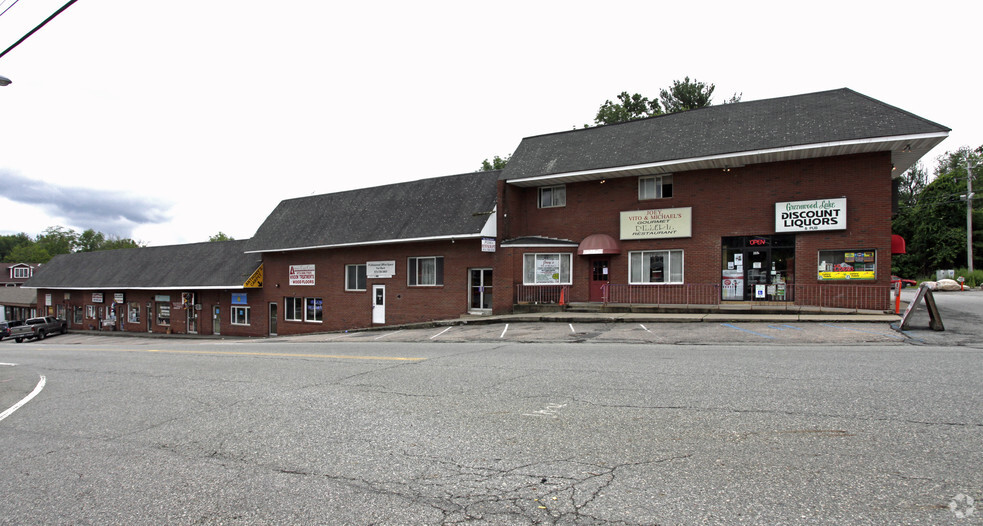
<point x="55" y="240"/>
<point x="221" y="236"/>
<point x="683" y="95"/>
<point x="497" y="163"/>
<point x="932" y="218"/>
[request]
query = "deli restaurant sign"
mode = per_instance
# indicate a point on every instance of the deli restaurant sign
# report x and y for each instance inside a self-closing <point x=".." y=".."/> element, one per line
<point x="806" y="216"/>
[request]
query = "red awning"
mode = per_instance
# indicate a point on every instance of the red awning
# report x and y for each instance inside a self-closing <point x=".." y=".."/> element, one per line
<point x="597" y="244"/>
<point x="897" y="244"/>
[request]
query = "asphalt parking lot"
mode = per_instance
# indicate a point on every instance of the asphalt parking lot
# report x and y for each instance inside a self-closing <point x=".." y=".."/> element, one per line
<point x="752" y="333"/>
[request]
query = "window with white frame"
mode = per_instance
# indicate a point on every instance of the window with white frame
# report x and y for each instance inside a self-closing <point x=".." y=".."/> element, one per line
<point x="425" y="271"/>
<point x="293" y="309"/>
<point x="655" y="266"/>
<point x="314" y="311"/>
<point x="547" y="269"/>
<point x="355" y="277"/>
<point x="22" y="272"/>
<point x="552" y="196"/>
<point x="240" y="315"/>
<point x="655" y="187"/>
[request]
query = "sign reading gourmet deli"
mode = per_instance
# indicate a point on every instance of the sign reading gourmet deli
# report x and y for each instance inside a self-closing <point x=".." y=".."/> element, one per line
<point x="663" y="223"/>
<point x="804" y="216"/>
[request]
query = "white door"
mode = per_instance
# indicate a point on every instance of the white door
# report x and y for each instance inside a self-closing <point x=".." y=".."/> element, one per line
<point x="378" y="304"/>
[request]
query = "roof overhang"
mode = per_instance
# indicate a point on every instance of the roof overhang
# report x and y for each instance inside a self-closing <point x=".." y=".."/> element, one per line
<point x="162" y="287"/>
<point x="905" y="151"/>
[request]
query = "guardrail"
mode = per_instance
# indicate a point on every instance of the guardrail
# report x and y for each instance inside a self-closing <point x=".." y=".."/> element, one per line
<point x="838" y="296"/>
<point x="685" y="294"/>
<point x="540" y="294"/>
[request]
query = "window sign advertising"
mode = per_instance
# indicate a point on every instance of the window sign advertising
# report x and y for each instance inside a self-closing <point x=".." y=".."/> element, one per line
<point x="548" y="268"/>
<point x="664" y="223"/>
<point x="847" y="265"/>
<point x="119" y="297"/>
<point x="806" y="216"/>
<point x="302" y="275"/>
<point x="487" y="244"/>
<point x="96" y="297"/>
<point x="239" y="298"/>
<point x="380" y="269"/>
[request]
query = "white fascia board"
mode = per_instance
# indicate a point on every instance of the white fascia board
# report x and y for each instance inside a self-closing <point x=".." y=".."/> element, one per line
<point x="734" y="155"/>
<point x="479" y="235"/>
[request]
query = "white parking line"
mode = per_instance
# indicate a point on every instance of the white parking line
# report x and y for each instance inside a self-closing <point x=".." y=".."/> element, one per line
<point x="387" y="334"/>
<point x="9" y="364"/>
<point x="26" y="399"/>
<point x="571" y="328"/>
<point x="644" y="327"/>
<point x="439" y="333"/>
<point x="504" y="330"/>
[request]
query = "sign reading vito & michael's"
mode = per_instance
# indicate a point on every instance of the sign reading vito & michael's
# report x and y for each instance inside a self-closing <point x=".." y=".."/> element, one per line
<point x="818" y="214"/>
<point x="657" y="224"/>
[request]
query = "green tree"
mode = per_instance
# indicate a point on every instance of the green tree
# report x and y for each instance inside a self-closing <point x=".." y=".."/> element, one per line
<point x="686" y="95"/>
<point x="933" y="220"/>
<point x="628" y="108"/>
<point x="114" y="243"/>
<point x="90" y="241"/>
<point x="30" y="253"/>
<point x="58" y="240"/>
<point x="221" y="236"/>
<point x="681" y="96"/>
<point x="497" y="163"/>
<point x="9" y="242"/>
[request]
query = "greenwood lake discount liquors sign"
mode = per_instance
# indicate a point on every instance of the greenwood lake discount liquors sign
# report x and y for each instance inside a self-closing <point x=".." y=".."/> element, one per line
<point x="805" y="216"/>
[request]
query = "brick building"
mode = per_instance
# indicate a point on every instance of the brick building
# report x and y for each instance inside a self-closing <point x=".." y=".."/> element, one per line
<point x="778" y="202"/>
<point x="783" y="200"/>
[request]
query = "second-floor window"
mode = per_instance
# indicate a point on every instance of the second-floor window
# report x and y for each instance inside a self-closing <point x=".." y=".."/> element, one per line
<point x="552" y="196"/>
<point x="655" y="187"/>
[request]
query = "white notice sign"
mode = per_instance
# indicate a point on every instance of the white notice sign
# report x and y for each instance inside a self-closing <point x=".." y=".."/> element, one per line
<point x="380" y="269"/>
<point x="302" y="275"/>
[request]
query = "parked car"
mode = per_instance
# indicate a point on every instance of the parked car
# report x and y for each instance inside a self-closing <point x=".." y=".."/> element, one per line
<point x="904" y="282"/>
<point x="4" y="330"/>
<point x="38" y="328"/>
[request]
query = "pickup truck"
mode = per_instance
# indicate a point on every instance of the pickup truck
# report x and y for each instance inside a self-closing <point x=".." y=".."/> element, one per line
<point x="38" y="328"/>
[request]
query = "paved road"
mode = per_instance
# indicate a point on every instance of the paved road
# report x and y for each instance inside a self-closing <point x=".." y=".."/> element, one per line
<point x="583" y="428"/>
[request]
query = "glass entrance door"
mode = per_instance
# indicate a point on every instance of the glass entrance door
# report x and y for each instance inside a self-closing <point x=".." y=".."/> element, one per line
<point x="758" y="268"/>
<point x="480" y="287"/>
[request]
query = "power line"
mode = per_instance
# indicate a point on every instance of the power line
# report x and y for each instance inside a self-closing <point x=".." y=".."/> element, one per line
<point x="39" y="26"/>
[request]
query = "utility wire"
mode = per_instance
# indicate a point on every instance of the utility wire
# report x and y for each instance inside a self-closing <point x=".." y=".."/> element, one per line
<point x="9" y="6"/>
<point x="39" y="26"/>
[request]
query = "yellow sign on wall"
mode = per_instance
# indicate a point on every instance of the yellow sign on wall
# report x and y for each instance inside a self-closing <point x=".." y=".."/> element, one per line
<point x="256" y="280"/>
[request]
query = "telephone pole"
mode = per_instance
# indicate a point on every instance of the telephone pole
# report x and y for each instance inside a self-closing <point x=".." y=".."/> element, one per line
<point x="969" y="212"/>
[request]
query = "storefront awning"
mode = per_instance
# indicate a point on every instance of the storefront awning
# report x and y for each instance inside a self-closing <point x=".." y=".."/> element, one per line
<point x="897" y="244"/>
<point x="598" y="244"/>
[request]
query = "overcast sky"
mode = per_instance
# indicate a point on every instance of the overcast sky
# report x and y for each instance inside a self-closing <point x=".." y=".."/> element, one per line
<point x="168" y="122"/>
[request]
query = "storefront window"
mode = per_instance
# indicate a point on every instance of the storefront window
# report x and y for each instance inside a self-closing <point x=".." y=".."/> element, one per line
<point x="546" y="269"/>
<point x="655" y="266"/>
<point x="133" y="313"/>
<point x="163" y="313"/>
<point x="315" y="310"/>
<point x="847" y="264"/>
<point x="240" y="315"/>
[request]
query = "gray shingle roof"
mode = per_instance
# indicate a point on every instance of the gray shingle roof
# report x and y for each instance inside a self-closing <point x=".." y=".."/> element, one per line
<point x="216" y="265"/>
<point x="810" y="119"/>
<point x="457" y="205"/>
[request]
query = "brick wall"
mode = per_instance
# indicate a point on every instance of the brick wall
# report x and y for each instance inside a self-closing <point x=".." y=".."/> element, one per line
<point x="738" y="202"/>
